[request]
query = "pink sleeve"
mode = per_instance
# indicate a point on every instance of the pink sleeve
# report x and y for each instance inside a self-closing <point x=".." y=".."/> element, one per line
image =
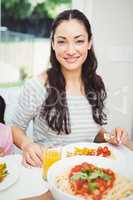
<point x="6" y="138"/>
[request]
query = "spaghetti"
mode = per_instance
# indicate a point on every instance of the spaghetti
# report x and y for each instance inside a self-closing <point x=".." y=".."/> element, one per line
<point x="94" y="183"/>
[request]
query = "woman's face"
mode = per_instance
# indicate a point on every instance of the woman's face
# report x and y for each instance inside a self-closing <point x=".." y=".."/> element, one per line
<point x="71" y="44"/>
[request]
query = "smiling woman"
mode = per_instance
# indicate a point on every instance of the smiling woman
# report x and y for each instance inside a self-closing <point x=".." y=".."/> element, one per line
<point x="66" y="103"/>
<point x="71" y="47"/>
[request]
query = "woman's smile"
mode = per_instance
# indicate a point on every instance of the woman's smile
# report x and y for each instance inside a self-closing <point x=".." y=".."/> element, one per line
<point x="71" y="59"/>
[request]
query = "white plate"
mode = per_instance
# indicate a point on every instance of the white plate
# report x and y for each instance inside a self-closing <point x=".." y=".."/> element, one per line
<point x="129" y="198"/>
<point x="63" y="165"/>
<point x="13" y="167"/>
<point x="116" y="151"/>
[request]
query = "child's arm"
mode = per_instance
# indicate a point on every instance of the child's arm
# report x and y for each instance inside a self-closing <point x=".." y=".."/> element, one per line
<point x="2" y="153"/>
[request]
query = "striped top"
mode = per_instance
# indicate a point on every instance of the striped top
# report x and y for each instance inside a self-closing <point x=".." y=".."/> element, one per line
<point x="33" y="94"/>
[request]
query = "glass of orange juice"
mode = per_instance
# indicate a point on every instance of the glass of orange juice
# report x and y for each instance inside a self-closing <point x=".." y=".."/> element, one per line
<point x="51" y="154"/>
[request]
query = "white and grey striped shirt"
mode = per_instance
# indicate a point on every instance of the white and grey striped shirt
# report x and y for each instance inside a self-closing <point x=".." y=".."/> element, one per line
<point x="83" y="127"/>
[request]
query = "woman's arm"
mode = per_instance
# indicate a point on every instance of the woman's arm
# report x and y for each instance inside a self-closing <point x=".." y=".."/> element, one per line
<point x="100" y="136"/>
<point x="25" y="112"/>
<point x="32" y="152"/>
<point x="20" y="139"/>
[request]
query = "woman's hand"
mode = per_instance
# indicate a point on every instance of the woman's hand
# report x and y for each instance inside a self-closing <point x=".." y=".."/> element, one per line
<point x="32" y="154"/>
<point x="118" y="136"/>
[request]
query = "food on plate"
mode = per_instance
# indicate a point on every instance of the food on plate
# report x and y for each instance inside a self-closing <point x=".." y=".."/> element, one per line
<point x="3" y="171"/>
<point x="99" y="151"/>
<point x="94" y="183"/>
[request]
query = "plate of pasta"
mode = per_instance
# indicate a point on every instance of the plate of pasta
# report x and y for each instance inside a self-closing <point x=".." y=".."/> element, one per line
<point x="10" y="170"/>
<point x="91" y="149"/>
<point x="90" y="178"/>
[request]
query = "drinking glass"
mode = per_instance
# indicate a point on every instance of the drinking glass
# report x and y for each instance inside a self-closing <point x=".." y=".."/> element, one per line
<point x="51" y="154"/>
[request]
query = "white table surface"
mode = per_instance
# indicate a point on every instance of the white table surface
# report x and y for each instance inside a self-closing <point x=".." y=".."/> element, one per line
<point x="29" y="183"/>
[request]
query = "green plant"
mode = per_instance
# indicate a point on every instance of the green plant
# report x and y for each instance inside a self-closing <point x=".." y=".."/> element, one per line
<point x="18" y="9"/>
<point x="23" y="73"/>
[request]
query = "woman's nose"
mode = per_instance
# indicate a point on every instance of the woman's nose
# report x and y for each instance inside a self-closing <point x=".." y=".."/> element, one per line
<point x="71" y="49"/>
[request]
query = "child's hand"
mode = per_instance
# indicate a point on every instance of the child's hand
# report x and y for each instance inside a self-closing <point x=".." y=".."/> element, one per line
<point x="2" y="152"/>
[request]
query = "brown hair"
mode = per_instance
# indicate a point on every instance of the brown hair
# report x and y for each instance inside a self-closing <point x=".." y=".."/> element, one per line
<point x="55" y="109"/>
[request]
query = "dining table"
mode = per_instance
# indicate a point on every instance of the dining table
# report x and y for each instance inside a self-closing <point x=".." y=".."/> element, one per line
<point x="30" y="184"/>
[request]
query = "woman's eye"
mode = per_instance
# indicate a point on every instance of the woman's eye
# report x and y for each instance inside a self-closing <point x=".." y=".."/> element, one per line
<point x="80" y="41"/>
<point x="61" y="42"/>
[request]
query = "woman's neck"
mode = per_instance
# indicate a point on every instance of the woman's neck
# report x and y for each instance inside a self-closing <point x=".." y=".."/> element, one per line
<point x="72" y="76"/>
<point x="74" y="84"/>
<point x="74" y="89"/>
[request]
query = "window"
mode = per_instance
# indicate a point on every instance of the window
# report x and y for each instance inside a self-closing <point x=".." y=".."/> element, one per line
<point x="24" y="36"/>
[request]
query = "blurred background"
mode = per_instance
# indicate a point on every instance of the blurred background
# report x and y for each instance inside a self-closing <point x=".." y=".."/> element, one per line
<point x="24" y="47"/>
<point x="25" y="31"/>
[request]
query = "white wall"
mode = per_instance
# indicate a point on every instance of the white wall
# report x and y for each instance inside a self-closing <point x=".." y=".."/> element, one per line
<point x="112" y="24"/>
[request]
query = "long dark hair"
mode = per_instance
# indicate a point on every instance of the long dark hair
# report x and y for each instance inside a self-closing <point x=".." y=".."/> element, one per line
<point x="55" y="109"/>
<point x="2" y="109"/>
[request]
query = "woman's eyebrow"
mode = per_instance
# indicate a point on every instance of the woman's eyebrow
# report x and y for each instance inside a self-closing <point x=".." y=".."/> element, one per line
<point x="61" y="37"/>
<point x="77" y="36"/>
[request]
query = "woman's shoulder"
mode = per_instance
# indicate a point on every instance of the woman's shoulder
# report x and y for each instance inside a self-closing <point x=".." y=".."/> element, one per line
<point x="42" y="77"/>
<point x="36" y="82"/>
<point x="34" y="89"/>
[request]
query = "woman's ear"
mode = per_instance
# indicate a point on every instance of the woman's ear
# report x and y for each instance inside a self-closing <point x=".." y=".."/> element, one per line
<point x="90" y="44"/>
<point x="53" y="45"/>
